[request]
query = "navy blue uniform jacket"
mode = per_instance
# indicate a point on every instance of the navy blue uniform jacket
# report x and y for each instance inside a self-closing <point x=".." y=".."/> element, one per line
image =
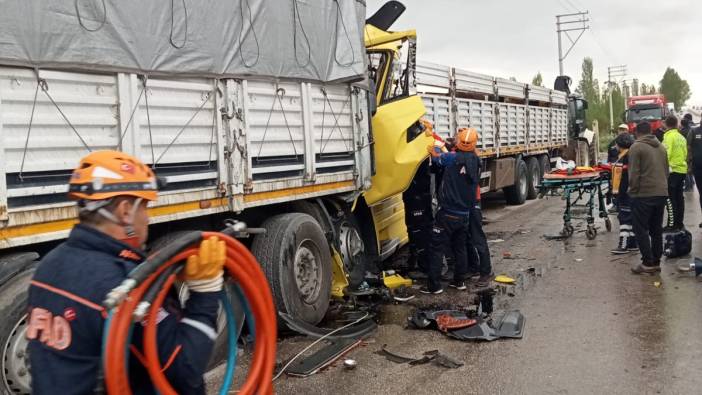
<point x="459" y="183"/>
<point x="66" y="320"/>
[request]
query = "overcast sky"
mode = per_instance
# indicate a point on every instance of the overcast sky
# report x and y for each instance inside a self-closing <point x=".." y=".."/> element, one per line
<point x="518" y="37"/>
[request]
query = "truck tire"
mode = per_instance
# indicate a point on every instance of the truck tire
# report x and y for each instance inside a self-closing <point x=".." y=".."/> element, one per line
<point x="533" y="177"/>
<point x="516" y="194"/>
<point x="13" y="310"/>
<point x="544" y="164"/>
<point x="296" y="259"/>
<point x="219" y="352"/>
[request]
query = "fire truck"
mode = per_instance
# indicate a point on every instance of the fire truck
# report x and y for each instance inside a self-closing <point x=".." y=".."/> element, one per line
<point x="650" y="108"/>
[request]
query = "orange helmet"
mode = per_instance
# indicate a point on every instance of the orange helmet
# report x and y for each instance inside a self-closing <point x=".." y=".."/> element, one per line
<point x="466" y="139"/>
<point x="105" y="174"/>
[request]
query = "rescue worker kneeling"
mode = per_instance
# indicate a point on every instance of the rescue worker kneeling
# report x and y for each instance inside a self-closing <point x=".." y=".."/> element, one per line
<point x="456" y="198"/>
<point x="66" y="319"/>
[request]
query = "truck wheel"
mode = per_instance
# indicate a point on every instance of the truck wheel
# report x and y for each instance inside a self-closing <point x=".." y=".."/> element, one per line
<point x="533" y="177"/>
<point x="544" y="164"/>
<point x="13" y="326"/>
<point x="516" y="194"/>
<point x="295" y="257"/>
<point x="352" y="249"/>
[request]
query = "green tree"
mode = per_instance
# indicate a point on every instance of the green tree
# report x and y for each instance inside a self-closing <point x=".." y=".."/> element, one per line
<point x="675" y="89"/>
<point x="513" y="79"/>
<point x="538" y="80"/>
<point x="588" y="85"/>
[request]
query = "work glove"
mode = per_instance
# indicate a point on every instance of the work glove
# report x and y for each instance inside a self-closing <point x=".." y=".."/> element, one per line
<point x="204" y="272"/>
<point x="433" y="151"/>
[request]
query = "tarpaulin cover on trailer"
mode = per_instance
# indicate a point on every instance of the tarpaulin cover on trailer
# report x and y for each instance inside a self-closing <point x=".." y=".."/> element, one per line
<point x="319" y="40"/>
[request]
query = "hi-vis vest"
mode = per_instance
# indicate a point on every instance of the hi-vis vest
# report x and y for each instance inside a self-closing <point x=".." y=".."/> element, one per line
<point x="617" y="171"/>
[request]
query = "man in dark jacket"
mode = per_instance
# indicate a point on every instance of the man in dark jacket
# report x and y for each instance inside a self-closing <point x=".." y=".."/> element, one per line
<point x="694" y="155"/>
<point x="66" y="319"/>
<point x="648" y="188"/>
<point x="686" y="129"/>
<point x="456" y="198"/>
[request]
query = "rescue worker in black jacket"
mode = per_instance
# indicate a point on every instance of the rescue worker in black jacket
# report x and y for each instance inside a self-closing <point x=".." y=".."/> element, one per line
<point x="66" y="319"/>
<point x="456" y="198"/>
<point x="694" y="157"/>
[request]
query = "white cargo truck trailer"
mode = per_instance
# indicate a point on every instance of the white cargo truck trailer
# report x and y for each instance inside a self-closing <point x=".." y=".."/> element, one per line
<point x="522" y="127"/>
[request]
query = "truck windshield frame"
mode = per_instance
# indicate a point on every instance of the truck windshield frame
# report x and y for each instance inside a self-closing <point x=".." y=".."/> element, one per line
<point x="395" y="79"/>
<point x="644" y="113"/>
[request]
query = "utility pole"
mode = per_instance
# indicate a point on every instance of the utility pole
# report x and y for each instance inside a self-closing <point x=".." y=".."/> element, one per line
<point x="613" y="72"/>
<point x="576" y="22"/>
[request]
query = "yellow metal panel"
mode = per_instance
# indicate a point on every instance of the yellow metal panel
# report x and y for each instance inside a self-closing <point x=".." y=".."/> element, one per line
<point x="339" y="280"/>
<point x="375" y="36"/>
<point x="389" y="220"/>
<point x="396" y="159"/>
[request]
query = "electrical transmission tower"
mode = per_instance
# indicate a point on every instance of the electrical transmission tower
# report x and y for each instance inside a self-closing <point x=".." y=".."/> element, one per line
<point x="565" y="23"/>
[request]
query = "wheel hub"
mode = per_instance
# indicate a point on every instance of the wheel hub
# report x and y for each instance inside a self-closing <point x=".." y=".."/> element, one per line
<point x="351" y="245"/>
<point x="308" y="272"/>
<point x="15" y="360"/>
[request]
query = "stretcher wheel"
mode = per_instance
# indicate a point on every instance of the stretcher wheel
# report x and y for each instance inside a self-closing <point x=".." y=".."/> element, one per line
<point x="591" y="233"/>
<point x="568" y="230"/>
<point x="608" y="225"/>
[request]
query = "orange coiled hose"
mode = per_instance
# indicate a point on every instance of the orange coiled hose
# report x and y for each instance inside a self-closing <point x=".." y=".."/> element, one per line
<point x="245" y="271"/>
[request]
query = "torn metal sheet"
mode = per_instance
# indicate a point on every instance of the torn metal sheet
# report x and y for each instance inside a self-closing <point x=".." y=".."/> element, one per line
<point x="511" y="325"/>
<point x="357" y="331"/>
<point x="322" y="358"/>
<point x="480" y="331"/>
<point x="429" y="356"/>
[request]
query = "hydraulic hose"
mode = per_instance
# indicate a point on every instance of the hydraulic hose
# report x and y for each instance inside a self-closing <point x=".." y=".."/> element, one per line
<point x="148" y="285"/>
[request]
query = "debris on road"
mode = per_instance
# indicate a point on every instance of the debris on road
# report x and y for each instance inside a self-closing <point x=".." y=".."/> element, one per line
<point x="657" y="284"/>
<point x="504" y="279"/>
<point x="496" y="241"/>
<point x="358" y="330"/>
<point x="510" y="325"/>
<point x="322" y="358"/>
<point x="446" y="322"/>
<point x="435" y="356"/>
<point x="464" y="327"/>
<point x="350" y="364"/>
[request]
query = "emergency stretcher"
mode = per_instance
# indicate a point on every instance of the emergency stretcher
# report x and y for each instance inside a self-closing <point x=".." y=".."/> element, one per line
<point x="588" y="186"/>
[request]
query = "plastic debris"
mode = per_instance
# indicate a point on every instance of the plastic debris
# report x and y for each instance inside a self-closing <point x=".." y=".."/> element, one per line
<point x="504" y="279"/>
<point x="496" y="241"/>
<point x="657" y="284"/>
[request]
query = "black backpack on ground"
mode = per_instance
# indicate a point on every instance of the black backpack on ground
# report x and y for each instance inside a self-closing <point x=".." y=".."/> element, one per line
<point x="677" y="244"/>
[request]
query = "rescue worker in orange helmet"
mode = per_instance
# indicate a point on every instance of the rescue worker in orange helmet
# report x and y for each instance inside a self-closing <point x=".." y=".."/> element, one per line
<point x="65" y="316"/>
<point x="457" y="194"/>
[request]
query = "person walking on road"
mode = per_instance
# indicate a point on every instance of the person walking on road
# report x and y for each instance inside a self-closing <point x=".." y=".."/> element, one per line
<point x="686" y="125"/>
<point x="456" y="198"/>
<point x="648" y="175"/>
<point x="694" y="150"/>
<point x="620" y="187"/>
<point x="676" y="147"/>
<point x="65" y="317"/>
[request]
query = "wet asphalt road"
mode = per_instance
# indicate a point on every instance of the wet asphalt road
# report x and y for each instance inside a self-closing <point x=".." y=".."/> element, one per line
<point x="591" y="326"/>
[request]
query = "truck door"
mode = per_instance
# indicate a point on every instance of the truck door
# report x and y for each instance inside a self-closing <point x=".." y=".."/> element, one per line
<point x="400" y="144"/>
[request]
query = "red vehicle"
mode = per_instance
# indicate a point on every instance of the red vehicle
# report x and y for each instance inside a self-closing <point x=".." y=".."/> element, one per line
<point x="650" y="108"/>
